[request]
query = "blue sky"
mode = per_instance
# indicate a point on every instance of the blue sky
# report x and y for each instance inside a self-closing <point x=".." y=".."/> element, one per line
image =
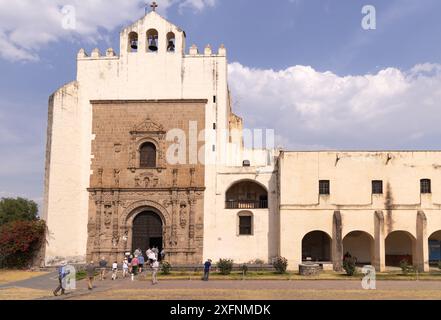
<point x="303" y="67"/>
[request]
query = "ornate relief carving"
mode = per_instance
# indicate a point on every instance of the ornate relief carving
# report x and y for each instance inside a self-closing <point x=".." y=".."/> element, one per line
<point x="146" y="180"/>
<point x="117" y="147"/>
<point x="108" y="216"/>
<point x="116" y="174"/>
<point x="175" y="177"/>
<point x="183" y="215"/>
<point x="148" y="126"/>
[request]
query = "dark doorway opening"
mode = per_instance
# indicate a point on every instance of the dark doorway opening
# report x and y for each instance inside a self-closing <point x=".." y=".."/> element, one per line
<point x="147" y="232"/>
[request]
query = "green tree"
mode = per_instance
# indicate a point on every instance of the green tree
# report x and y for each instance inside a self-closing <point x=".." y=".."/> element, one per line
<point x="17" y="210"/>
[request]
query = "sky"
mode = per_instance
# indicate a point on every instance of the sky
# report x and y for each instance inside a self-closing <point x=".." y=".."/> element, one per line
<point x="310" y="69"/>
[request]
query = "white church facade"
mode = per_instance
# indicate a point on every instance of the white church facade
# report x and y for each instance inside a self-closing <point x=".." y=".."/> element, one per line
<point x="110" y="186"/>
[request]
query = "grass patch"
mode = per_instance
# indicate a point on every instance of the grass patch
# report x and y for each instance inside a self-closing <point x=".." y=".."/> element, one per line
<point x="9" y="276"/>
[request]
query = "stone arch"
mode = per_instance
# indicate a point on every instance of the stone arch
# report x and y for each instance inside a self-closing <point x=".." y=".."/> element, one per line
<point x="137" y="207"/>
<point x="152" y="40"/>
<point x="317" y="246"/>
<point x="435" y="247"/>
<point x="360" y="245"/>
<point x="171" y="42"/>
<point x="400" y="245"/>
<point x="133" y="42"/>
<point x="246" y="194"/>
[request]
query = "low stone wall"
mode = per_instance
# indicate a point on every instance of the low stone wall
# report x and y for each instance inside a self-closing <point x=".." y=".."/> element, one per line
<point x="309" y="269"/>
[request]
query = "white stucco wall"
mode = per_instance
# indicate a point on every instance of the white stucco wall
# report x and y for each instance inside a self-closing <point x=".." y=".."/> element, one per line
<point x="350" y="173"/>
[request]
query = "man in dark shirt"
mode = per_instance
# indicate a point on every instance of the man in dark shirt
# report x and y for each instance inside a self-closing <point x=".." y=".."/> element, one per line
<point x="207" y="267"/>
<point x="103" y="268"/>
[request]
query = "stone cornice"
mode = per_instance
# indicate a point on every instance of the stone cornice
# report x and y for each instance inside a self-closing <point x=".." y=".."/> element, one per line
<point x="202" y="101"/>
<point x="146" y="189"/>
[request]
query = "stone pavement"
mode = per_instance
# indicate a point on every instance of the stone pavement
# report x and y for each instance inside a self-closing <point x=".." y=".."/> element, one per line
<point x="140" y="288"/>
<point x="44" y="282"/>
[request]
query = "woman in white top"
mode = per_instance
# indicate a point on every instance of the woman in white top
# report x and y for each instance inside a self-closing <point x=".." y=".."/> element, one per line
<point x="125" y="268"/>
<point x="114" y="270"/>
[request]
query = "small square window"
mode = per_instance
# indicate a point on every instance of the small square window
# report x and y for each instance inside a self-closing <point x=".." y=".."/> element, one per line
<point x="426" y="186"/>
<point x="324" y="187"/>
<point x="377" y="187"/>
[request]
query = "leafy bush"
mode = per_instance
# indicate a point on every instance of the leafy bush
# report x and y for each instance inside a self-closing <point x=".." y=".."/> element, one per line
<point x="20" y="241"/>
<point x="280" y="264"/>
<point x="350" y="266"/>
<point x="166" y="268"/>
<point x="17" y="210"/>
<point x="258" y="261"/>
<point x="406" y="268"/>
<point x="225" y="266"/>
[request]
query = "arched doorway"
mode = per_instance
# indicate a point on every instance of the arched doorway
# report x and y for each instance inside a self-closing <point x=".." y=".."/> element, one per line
<point x="400" y="246"/>
<point x="316" y="246"/>
<point x="359" y="245"/>
<point x="147" y="231"/>
<point x="435" y="248"/>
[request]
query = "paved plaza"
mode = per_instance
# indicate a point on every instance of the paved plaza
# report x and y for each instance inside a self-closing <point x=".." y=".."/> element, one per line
<point x="41" y="287"/>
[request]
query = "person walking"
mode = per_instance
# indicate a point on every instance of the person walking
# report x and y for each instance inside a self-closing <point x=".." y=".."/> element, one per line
<point x="62" y="273"/>
<point x="90" y="270"/>
<point x="125" y="268"/>
<point x="130" y="263"/>
<point x="151" y="256"/>
<point x="103" y="268"/>
<point x="155" y="269"/>
<point x="156" y="252"/>
<point x="207" y="267"/>
<point x="141" y="262"/>
<point x="162" y="255"/>
<point x="114" y="270"/>
<point x="135" y="264"/>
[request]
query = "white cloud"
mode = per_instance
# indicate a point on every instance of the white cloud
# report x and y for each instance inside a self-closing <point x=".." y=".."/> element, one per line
<point x="28" y="25"/>
<point x="389" y="109"/>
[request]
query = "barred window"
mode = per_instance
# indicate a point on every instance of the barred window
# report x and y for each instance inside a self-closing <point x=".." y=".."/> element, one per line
<point x="377" y="187"/>
<point x="426" y="186"/>
<point x="324" y="187"/>
<point x="147" y="155"/>
<point x="245" y="225"/>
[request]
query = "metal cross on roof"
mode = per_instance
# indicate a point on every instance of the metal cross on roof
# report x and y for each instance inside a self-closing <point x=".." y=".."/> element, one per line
<point x="154" y="5"/>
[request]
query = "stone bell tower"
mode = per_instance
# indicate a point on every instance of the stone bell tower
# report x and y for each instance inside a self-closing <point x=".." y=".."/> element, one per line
<point x="109" y="186"/>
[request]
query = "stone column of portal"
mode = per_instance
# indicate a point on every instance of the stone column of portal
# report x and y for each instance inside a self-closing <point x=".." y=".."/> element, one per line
<point x="337" y="241"/>
<point x="379" y="245"/>
<point x="422" y="243"/>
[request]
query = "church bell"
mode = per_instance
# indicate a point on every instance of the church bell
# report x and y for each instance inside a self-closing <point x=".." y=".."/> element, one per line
<point x="134" y="45"/>
<point x="153" y="45"/>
